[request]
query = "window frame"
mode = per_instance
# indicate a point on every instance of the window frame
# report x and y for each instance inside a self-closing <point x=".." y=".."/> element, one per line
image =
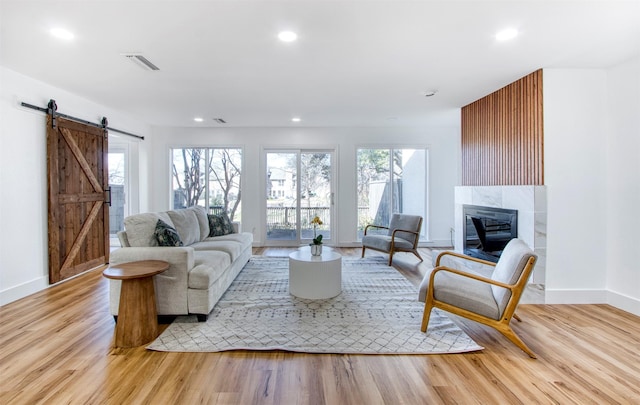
<point x="207" y="193"/>
<point x="424" y="233"/>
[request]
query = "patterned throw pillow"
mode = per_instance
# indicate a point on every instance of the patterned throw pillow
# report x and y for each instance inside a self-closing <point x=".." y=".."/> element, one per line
<point x="220" y="225"/>
<point x="166" y="235"/>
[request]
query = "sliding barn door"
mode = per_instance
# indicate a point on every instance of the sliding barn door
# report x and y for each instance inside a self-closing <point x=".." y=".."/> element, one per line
<point x="78" y="208"/>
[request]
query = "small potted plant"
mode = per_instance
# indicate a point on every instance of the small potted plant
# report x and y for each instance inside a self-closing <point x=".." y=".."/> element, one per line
<point x="316" y="245"/>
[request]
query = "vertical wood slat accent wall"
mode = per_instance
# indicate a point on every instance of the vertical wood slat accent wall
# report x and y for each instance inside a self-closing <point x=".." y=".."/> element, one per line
<point x="502" y="136"/>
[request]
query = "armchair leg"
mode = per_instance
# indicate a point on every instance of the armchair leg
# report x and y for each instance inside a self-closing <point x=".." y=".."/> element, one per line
<point x="363" y="248"/>
<point x="390" y="257"/>
<point x="515" y="339"/>
<point x="427" y="314"/>
<point x="517" y="318"/>
<point x="415" y="252"/>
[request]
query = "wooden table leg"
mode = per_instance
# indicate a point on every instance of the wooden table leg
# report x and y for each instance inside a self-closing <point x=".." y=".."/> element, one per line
<point x="137" y="314"/>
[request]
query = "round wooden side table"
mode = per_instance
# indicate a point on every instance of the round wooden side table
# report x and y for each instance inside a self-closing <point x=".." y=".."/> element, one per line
<point x="137" y="315"/>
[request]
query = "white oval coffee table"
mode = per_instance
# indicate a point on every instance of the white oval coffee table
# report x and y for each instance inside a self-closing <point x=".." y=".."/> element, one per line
<point x="315" y="277"/>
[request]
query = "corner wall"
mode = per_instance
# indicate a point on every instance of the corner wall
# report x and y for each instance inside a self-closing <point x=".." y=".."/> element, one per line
<point x="622" y="194"/>
<point x="591" y="171"/>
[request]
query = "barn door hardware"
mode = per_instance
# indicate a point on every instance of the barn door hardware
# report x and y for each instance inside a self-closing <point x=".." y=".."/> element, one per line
<point x="52" y="108"/>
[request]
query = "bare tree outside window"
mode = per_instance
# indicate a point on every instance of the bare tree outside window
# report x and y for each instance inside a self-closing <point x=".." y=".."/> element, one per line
<point x="315" y="172"/>
<point x="225" y="169"/>
<point x="116" y="168"/>
<point x="209" y="177"/>
<point x="188" y="176"/>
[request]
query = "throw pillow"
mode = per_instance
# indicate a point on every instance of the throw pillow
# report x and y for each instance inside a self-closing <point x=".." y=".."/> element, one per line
<point x="220" y="225"/>
<point x="166" y="235"/>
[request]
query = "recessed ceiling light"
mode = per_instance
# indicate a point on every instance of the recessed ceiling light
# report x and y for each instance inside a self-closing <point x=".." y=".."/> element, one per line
<point x="296" y="119"/>
<point x="61" y="33"/>
<point x="287" y="36"/>
<point x="507" y="34"/>
<point x="198" y="119"/>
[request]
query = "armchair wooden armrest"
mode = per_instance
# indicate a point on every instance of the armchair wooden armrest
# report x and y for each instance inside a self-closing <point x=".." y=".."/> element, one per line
<point x="415" y="243"/>
<point x="478" y="277"/>
<point x="374" y="226"/>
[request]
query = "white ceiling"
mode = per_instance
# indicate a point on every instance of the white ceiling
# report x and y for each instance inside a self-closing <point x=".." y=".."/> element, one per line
<point x="356" y="63"/>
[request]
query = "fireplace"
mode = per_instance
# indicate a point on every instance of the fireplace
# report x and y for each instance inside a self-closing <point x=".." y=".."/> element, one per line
<point x="487" y="230"/>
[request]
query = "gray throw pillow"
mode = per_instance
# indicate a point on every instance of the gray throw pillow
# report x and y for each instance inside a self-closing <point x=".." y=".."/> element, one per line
<point x="166" y="235"/>
<point x="220" y="225"/>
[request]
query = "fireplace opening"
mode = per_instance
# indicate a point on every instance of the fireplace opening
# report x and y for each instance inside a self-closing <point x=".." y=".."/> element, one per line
<point x="487" y="231"/>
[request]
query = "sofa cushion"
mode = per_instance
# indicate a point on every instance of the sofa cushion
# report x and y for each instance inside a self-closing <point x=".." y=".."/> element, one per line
<point x="245" y="238"/>
<point x="140" y="228"/>
<point x="232" y="248"/>
<point x="203" y="221"/>
<point x="186" y="223"/>
<point x="166" y="235"/>
<point x="209" y="267"/>
<point x="220" y="225"/>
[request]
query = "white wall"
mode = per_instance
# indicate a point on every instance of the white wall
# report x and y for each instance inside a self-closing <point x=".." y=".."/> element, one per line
<point x="443" y="144"/>
<point x="623" y="186"/>
<point x="23" y="181"/>
<point x="592" y="173"/>
<point x="575" y="176"/>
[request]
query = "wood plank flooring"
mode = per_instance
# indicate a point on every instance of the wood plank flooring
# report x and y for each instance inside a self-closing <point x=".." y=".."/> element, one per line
<point x="56" y="347"/>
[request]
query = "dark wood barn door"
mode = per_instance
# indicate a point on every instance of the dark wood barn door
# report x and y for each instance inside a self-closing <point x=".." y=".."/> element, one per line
<point x="78" y="208"/>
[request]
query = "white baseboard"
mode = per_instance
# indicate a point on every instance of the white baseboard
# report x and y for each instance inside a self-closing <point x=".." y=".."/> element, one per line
<point x="22" y="290"/>
<point x="624" y="302"/>
<point x="444" y="244"/>
<point x="620" y="301"/>
<point x="575" y="296"/>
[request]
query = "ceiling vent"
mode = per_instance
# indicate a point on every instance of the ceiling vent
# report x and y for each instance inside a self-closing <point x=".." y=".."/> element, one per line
<point x="141" y="61"/>
<point x="220" y="121"/>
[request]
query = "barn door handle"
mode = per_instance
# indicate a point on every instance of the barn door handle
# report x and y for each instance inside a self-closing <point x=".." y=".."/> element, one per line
<point x="108" y="196"/>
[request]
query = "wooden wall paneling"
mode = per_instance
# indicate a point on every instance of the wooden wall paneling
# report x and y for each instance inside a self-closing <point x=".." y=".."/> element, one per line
<point x="502" y="136"/>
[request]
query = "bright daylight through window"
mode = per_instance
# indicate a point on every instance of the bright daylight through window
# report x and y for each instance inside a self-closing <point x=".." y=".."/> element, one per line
<point x="208" y="177"/>
<point x="390" y="181"/>
<point x="299" y="188"/>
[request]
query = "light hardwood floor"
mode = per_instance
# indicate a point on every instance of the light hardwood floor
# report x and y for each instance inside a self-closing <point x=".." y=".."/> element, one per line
<point x="56" y="347"/>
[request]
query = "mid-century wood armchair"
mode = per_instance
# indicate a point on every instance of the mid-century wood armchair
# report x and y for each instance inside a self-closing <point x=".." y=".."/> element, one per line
<point x="489" y="300"/>
<point x="402" y="236"/>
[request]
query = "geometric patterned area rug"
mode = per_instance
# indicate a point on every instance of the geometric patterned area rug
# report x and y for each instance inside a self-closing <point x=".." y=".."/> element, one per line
<point x="376" y="313"/>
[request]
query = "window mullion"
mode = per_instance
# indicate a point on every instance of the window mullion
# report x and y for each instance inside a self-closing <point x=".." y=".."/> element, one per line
<point x="207" y="200"/>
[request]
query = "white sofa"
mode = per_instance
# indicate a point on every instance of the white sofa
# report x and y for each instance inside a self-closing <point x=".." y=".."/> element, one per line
<point x="200" y="271"/>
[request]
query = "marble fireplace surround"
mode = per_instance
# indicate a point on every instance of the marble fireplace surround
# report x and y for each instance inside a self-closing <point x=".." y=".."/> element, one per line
<point x="531" y="203"/>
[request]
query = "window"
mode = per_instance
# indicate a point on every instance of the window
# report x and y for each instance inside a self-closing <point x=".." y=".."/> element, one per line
<point x="390" y="181"/>
<point x="118" y="183"/>
<point x="299" y="187"/>
<point x="209" y="177"/>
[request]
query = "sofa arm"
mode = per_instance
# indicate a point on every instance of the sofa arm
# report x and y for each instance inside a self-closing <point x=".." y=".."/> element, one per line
<point x="181" y="256"/>
<point x="170" y="286"/>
